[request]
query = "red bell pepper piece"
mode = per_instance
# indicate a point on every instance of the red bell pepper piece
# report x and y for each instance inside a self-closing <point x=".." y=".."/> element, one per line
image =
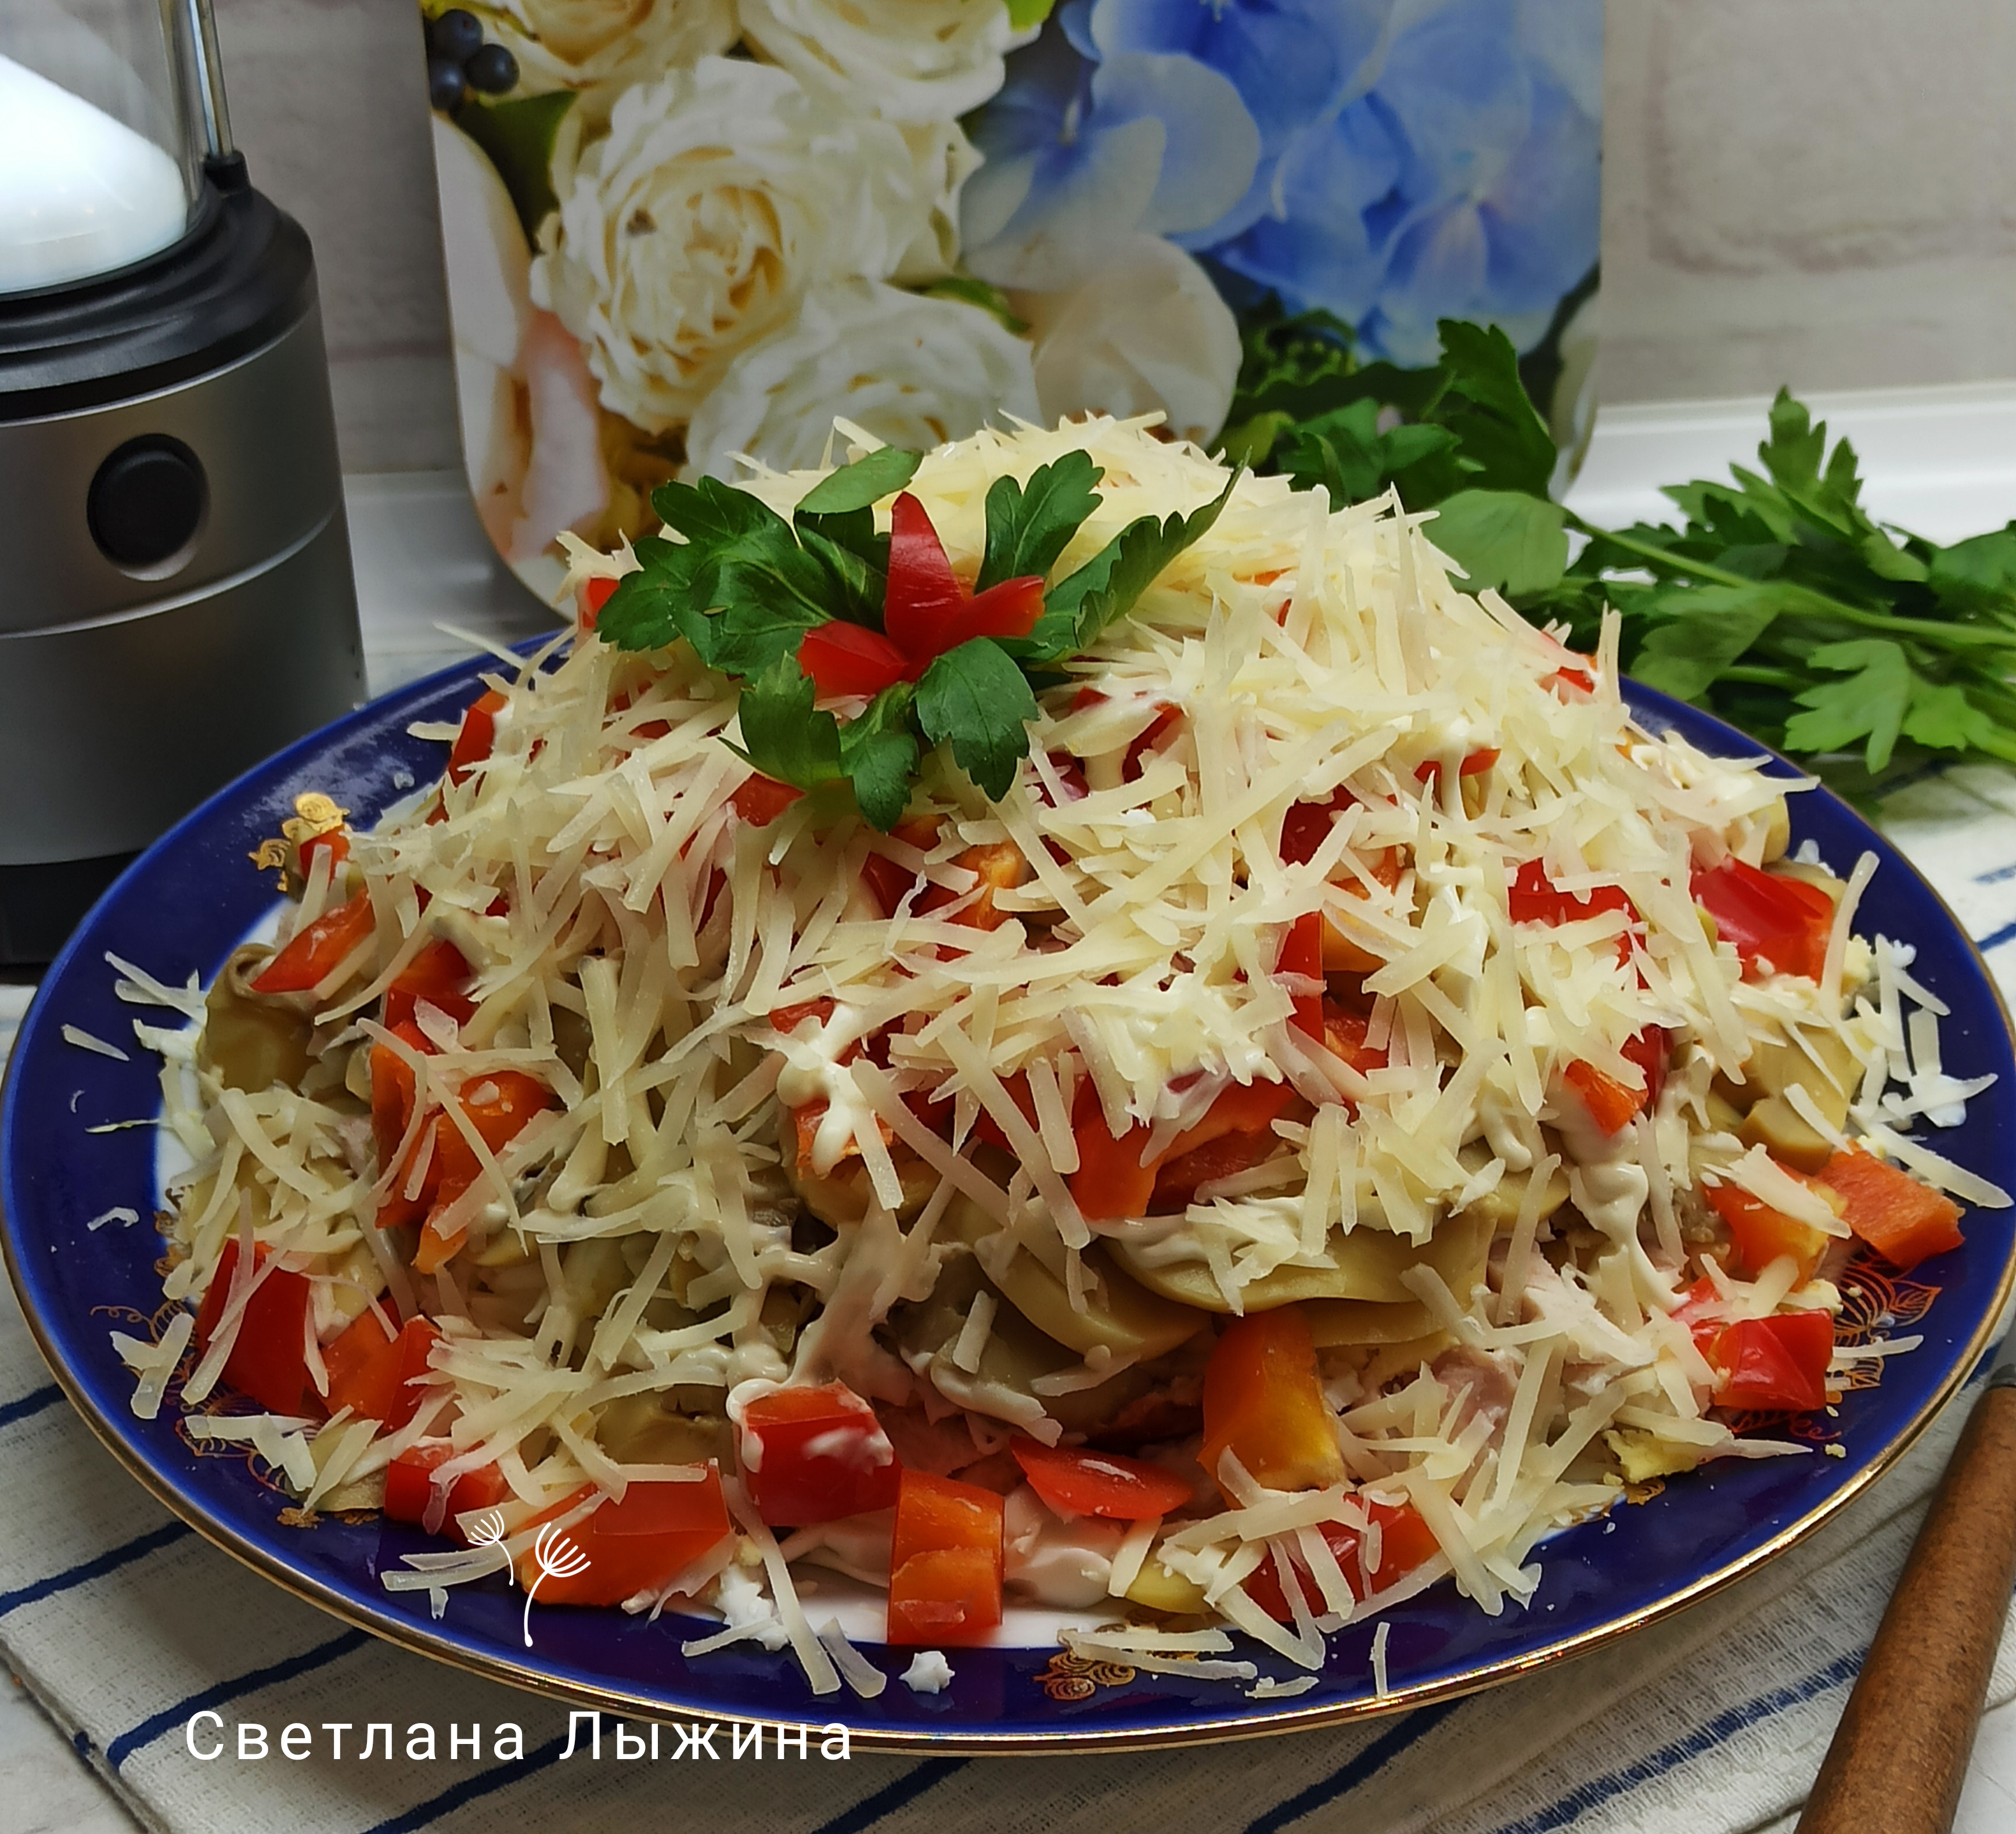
<point x="1301" y="956"/>
<point x="1774" y="1365"/>
<point x="1000" y="867"/>
<point x="1474" y="765"/>
<point x="499" y="1103"/>
<point x="641" y="1544"/>
<point x="1611" y="1104"/>
<point x="1405" y="1543"/>
<point x="816" y="1454"/>
<point x="589" y="597"/>
<point x="1345" y="1033"/>
<point x="1111" y="1181"/>
<point x="945" y="1562"/>
<point x="759" y="801"/>
<point x="1307" y="825"/>
<point x="1767" y="916"/>
<point x="478" y="736"/>
<point x="409" y="1487"/>
<point x="1762" y="1233"/>
<point x="1533" y="898"/>
<point x="393" y="1090"/>
<point x="317" y="949"/>
<point x="1149" y="740"/>
<point x="844" y="658"/>
<point x="439" y="973"/>
<point x="372" y="1374"/>
<point x="1903" y="1220"/>
<point x="335" y="844"/>
<point x="1077" y="1483"/>
<point x="923" y="591"/>
<point x="268" y="1359"/>
<point x="1263" y="1399"/>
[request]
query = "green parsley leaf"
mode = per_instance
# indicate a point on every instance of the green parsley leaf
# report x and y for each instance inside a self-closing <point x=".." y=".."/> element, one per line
<point x="1978" y="575"/>
<point x="856" y="557"/>
<point x="1944" y="718"/>
<point x="1110" y="585"/>
<point x="862" y="485"/>
<point x="1029" y="526"/>
<point x="1504" y="539"/>
<point x="976" y="699"/>
<point x="1870" y="703"/>
<point x="1484" y="404"/>
<point x="655" y="606"/>
<point x="878" y="752"/>
<point x="782" y="735"/>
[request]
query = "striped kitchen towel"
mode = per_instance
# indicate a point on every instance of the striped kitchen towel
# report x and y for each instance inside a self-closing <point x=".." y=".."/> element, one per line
<point x="125" y="1624"/>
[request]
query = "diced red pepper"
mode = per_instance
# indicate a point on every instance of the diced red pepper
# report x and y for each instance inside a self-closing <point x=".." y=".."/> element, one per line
<point x="638" y="1545"/>
<point x="1762" y="1233"/>
<point x="1903" y="1220"/>
<point x="1110" y="1181"/>
<point x="1767" y="916"/>
<point x="1611" y="1104"/>
<point x="589" y="597"/>
<point x="317" y="949"/>
<point x="759" y="801"/>
<point x="1345" y="1033"/>
<point x="945" y="1562"/>
<point x="1533" y="898"/>
<point x="1405" y="1542"/>
<point x="478" y="736"/>
<point x="1149" y="740"/>
<point x="499" y="1103"/>
<point x="439" y="975"/>
<point x="268" y="1359"/>
<point x="1307" y="826"/>
<point x="923" y="591"/>
<point x="1075" y="1483"/>
<point x="1571" y="683"/>
<point x="1263" y="1399"/>
<point x="335" y="844"/>
<point x="1774" y="1365"/>
<point x="1301" y="956"/>
<point x="371" y="1373"/>
<point x="844" y="658"/>
<point x="409" y="1487"/>
<point x="787" y="1019"/>
<point x="1474" y="765"/>
<point x="393" y="1089"/>
<point x="1000" y="866"/>
<point x="816" y="1454"/>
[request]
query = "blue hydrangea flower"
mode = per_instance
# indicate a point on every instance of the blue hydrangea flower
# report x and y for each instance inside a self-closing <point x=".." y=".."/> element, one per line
<point x="1079" y="154"/>
<point x="1293" y="62"/>
<point x="1463" y="183"/>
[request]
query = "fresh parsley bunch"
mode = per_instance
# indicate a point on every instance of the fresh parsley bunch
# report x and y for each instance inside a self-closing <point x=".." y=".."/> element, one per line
<point x="747" y="587"/>
<point x="1778" y="604"/>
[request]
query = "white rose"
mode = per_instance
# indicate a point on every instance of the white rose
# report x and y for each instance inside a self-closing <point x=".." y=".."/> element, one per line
<point x="580" y="44"/>
<point x="718" y="196"/>
<point x="910" y="369"/>
<point x="911" y="60"/>
<point x="1149" y="332"/>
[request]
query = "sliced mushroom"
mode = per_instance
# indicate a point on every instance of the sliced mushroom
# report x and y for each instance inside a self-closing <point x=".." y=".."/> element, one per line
<point x="251" y="1043"/>
<point x="1778" y="1127"/>
<point x="1500" y="1205"/>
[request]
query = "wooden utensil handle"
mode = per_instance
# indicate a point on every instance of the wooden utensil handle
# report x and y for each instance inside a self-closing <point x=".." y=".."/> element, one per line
<point x="1899" y="1756"/>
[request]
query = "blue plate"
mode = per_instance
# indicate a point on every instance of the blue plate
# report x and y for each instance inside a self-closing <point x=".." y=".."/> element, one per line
<point x="188" y="900"/>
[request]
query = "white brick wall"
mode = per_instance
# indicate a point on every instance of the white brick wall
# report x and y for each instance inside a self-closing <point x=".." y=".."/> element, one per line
<point x="1822" y="192"/>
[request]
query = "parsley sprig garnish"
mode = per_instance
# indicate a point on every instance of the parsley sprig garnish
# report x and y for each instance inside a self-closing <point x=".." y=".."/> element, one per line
<point x="1778" y="602"/>
<point x="824" y="607"/>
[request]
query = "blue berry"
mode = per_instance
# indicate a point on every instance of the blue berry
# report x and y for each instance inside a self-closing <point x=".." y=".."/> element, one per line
<point x="492" y="70"/>
<point x="456" y="35"/>
<point x="446" y="86"/>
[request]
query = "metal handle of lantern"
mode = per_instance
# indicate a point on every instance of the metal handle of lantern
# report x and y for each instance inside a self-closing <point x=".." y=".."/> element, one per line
<point x="209" y="67"/>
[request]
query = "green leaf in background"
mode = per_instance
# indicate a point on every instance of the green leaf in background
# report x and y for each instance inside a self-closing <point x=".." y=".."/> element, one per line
<point x="879" y="752"/>
<point x="1977" y="574"/>
<point x="518" y="137"/>
<point x="1944" y="718"/>
<point x="1024" y="15"/>
<point x="1484" y="404"/>
<point x="1029" y="526"/>
<point x="1870" y="702"/>
<point x="1345" y="451"/>
<point x="1504" y="539"/>
<point x="1699" y="634"/>
<point x="782" y="735"/>
<point x="862" y="485"/>
<point x="967" y="290"/>
<point x="975" y="698"/>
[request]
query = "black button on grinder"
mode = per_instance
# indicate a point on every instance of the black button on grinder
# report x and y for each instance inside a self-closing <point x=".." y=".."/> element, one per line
<point x="145" y="502"/>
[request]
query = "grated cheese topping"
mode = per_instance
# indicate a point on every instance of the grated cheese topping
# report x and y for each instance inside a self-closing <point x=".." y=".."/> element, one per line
<point x="797" y="1135"/>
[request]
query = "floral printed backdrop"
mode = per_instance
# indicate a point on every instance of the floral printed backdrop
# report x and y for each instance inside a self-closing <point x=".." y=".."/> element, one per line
<point x="679" y="231"/>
